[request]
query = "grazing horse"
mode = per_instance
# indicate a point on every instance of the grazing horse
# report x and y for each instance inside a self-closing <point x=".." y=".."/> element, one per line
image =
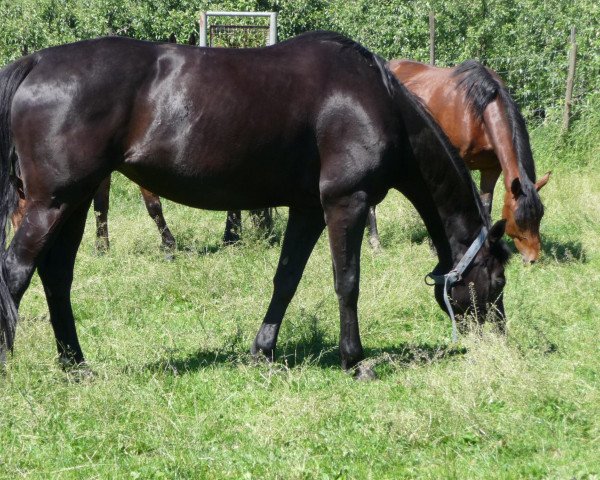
<point x="316" y="123"/>
<point x="476" y="112"/>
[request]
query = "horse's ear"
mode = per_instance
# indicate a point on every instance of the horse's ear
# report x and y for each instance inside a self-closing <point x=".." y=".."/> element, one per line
<point x="497" y="231"/>
<point x="192" y="39"/>
<point x="172" y="38"/>
<point x="542" y="181"/>
<point x="516" y="189"/>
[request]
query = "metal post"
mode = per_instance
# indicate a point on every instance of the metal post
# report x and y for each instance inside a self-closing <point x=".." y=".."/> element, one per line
<point x="273" y="29"/>
<point x="431" y="37"/>
<point x="202" y="33"/>
<point x="570" y="81"/>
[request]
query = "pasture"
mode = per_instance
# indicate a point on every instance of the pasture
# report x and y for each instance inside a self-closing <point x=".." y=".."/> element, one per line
<point x="176" y="395"/>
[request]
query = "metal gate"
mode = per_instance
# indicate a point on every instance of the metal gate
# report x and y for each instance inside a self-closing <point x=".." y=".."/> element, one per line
<point x="238" y="35"/>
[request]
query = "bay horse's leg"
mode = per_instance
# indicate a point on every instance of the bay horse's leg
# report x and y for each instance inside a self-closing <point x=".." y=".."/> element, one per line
<point x="487" y="184"/>
<point x="374" y="239"/>
<point x="303" y="229"/>
<point x="56" y="272"/>
<point x="233" y="227"/>
<point x="17" y="215"/>
<point x="101" y="203"/>
<point x="154" y="208"/>
<point x="263" y="220"/>
<point x="346" y="218"/>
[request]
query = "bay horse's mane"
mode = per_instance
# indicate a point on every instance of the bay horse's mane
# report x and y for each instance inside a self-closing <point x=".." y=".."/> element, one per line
<point x="481" y="88"/>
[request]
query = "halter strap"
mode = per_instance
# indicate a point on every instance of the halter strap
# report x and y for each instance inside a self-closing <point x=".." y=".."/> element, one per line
<point x="455" y="275"/>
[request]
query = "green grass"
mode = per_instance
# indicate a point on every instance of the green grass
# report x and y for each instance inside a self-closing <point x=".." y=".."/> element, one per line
<point x="176" y="395"/>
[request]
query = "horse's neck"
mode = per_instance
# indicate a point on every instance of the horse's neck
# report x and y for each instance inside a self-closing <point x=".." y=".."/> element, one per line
<point x="499" y="131"/>
<point x="452" y="230"/>
<point x="448" y="206"/>
<point x="437" y="182"/>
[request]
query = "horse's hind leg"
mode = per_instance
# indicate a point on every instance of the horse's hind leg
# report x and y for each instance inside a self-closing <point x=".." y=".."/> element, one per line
<point x="154" y="208"/>
<point x="345" y="222"/>
<point x="56" y="272"/>
<point x="263" y="220"/>
<point x="302" y="232"/>
<point x="374" y="239"/>
<point x="36" y="232"/>
<point x="101" y="203"/>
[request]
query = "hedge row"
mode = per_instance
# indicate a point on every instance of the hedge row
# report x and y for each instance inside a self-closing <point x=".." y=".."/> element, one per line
<point x="525" y="40"/>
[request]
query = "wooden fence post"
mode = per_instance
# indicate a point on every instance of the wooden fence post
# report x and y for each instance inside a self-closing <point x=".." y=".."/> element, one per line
<point x="431" y="37"/>
<point x="570" y="81"/>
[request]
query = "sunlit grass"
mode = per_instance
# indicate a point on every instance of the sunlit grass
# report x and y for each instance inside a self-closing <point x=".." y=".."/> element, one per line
<point x="176" y="395"/>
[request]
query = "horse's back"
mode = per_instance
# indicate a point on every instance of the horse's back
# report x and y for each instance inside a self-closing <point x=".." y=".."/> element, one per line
<point x="240" y="123"/>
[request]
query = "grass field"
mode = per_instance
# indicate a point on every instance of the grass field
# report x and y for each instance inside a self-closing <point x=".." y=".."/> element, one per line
<point x="176" y="395"/>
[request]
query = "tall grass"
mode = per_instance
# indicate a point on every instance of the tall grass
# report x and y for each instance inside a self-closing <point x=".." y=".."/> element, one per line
<point x="176" y="395"/>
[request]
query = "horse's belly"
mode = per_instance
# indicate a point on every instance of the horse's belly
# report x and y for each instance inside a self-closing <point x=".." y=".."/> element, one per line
<point x="222" y="185"/>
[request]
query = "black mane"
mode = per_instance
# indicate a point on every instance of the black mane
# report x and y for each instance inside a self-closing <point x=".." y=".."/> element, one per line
<point x="371" y="58"/>
<point x="481" y="88"/>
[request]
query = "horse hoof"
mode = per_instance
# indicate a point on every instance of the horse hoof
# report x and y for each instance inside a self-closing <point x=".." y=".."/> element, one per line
<point x="262" y="355"/>
<point x="102" y="245"/>
<point x="2" y="360"/>
<point x="375" y="245"/>
<point x="77" y="372"/>
<point x="364" y="374"/>
<point x="169" y="256"/>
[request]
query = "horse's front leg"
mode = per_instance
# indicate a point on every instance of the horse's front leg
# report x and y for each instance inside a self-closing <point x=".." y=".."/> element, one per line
<point x="345" y="222"/>
<point x="487" y="183"/>
<point x="233" y="227"/>
<point x="303" y="229"/>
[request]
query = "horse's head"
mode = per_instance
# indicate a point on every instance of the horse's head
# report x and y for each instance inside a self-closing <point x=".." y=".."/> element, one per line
<point x="523" y="215"/>
<point x="479" y="290"/>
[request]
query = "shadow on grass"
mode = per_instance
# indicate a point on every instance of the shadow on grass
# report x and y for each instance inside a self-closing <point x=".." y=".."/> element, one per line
<point x="272" y="240"/>
<point x="560" y="252"/>
<point x="324" y="355"/>
<point x="200" y="250"/>
<point x="564" y="252"/>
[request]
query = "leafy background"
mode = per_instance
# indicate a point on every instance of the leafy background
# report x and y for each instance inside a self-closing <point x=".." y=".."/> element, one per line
<point x="526" y="41"/>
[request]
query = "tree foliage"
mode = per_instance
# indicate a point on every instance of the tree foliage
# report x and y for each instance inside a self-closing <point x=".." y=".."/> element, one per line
<point x="525" y="40"/>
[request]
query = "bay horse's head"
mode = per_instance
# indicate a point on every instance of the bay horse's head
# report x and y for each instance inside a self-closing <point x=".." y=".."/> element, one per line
<point x="523" y="211"/>
<point x="475" y="285"/>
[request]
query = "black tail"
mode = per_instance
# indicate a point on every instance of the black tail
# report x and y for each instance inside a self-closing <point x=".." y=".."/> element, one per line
<point x="10" y="79"/>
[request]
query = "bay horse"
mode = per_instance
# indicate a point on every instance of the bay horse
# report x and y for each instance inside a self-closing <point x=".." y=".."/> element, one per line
<point x="472" y="105"/>
<point x="316" y="123"/>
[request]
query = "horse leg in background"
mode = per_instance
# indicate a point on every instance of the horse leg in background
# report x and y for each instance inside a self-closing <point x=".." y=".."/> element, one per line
<point x="346" y="219"/>
<point x="233" y="227"/>
<point x="101" y="202"/>
<point x="17" y="214"/>
<point x="374" y="239"/>
<point x="303" y="229"/>
<point x="56" y="272"/>
<point x="154" y="208"/>
<point x="487" y="183"/>
<point x="263" y="220"/>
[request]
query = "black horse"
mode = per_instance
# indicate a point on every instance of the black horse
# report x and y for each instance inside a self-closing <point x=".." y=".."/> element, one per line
<point x="316" y="123"/>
